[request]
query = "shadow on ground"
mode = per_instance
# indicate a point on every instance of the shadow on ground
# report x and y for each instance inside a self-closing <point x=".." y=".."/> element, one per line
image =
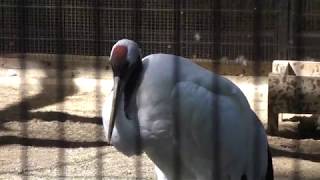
<point x="21" y="112"/>
<point x="10" y="140"/>
<point x="314" y="157"/>
<point x="297" y="138"/>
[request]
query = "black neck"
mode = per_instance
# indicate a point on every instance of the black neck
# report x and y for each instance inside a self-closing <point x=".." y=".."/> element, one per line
<point x="131" y="85"/>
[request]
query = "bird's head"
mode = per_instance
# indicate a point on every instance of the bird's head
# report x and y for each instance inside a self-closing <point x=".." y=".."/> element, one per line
<point x="125" y="57"/>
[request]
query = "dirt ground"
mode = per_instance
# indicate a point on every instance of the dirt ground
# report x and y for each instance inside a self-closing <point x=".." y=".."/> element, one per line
<point x="49" y="135"/>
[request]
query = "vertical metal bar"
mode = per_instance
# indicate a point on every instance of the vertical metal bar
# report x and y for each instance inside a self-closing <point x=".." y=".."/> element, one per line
<point x="297" y="22"/>
<point x="177" y="25"/>
<point x="257" y="33"/>
<point x="97" y="66"/>
<point x="137" y="35"/>
<point x="137" y="21"/>
<point x="291" y="29"/>
<point x="2" y="30"/>
<point x="177" y="148"/>
<point x="297" y="28"/>
<point x="296" y="163"/>
<point x="23" y="111"/>
<point x="216" y="13"/>
<point x="216" y="55"/>
<point x="257" y="57"/>
<point x="283" y="29"/>
<point x="60" y="91"/>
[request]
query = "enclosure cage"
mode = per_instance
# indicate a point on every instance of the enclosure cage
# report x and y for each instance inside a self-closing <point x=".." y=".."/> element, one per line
<point x="202" y="30"/>
<point x="205" y="29"/>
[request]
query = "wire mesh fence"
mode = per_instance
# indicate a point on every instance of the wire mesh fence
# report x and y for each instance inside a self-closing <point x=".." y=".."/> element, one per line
<point x="241" y="26"/>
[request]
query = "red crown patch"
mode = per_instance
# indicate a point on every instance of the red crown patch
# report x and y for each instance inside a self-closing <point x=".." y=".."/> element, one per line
<point x="119" y="53"/>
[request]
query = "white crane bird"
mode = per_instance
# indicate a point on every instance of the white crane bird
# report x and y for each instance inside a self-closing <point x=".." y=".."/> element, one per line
<point x="192" y="123"/>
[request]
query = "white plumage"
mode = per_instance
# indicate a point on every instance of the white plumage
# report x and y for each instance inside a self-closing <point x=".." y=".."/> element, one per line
<point x="166" y="106"/>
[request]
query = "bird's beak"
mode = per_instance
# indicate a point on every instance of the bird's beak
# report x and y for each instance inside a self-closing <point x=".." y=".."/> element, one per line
<point x="115" y="100"/>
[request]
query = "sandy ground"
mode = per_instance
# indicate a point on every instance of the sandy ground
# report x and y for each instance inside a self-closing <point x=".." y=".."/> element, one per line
<point x="49" y="135"/>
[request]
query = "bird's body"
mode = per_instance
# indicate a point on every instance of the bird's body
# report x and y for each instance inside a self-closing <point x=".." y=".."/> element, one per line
<point x="192" y="123"/>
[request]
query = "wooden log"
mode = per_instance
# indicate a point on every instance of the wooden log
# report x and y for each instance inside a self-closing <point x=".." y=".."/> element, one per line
<point x="291" y="94"/>
<point x="298" y="68"/>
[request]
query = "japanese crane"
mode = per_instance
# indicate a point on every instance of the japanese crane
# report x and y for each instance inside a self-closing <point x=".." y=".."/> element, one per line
<point x="192" y="123"/>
